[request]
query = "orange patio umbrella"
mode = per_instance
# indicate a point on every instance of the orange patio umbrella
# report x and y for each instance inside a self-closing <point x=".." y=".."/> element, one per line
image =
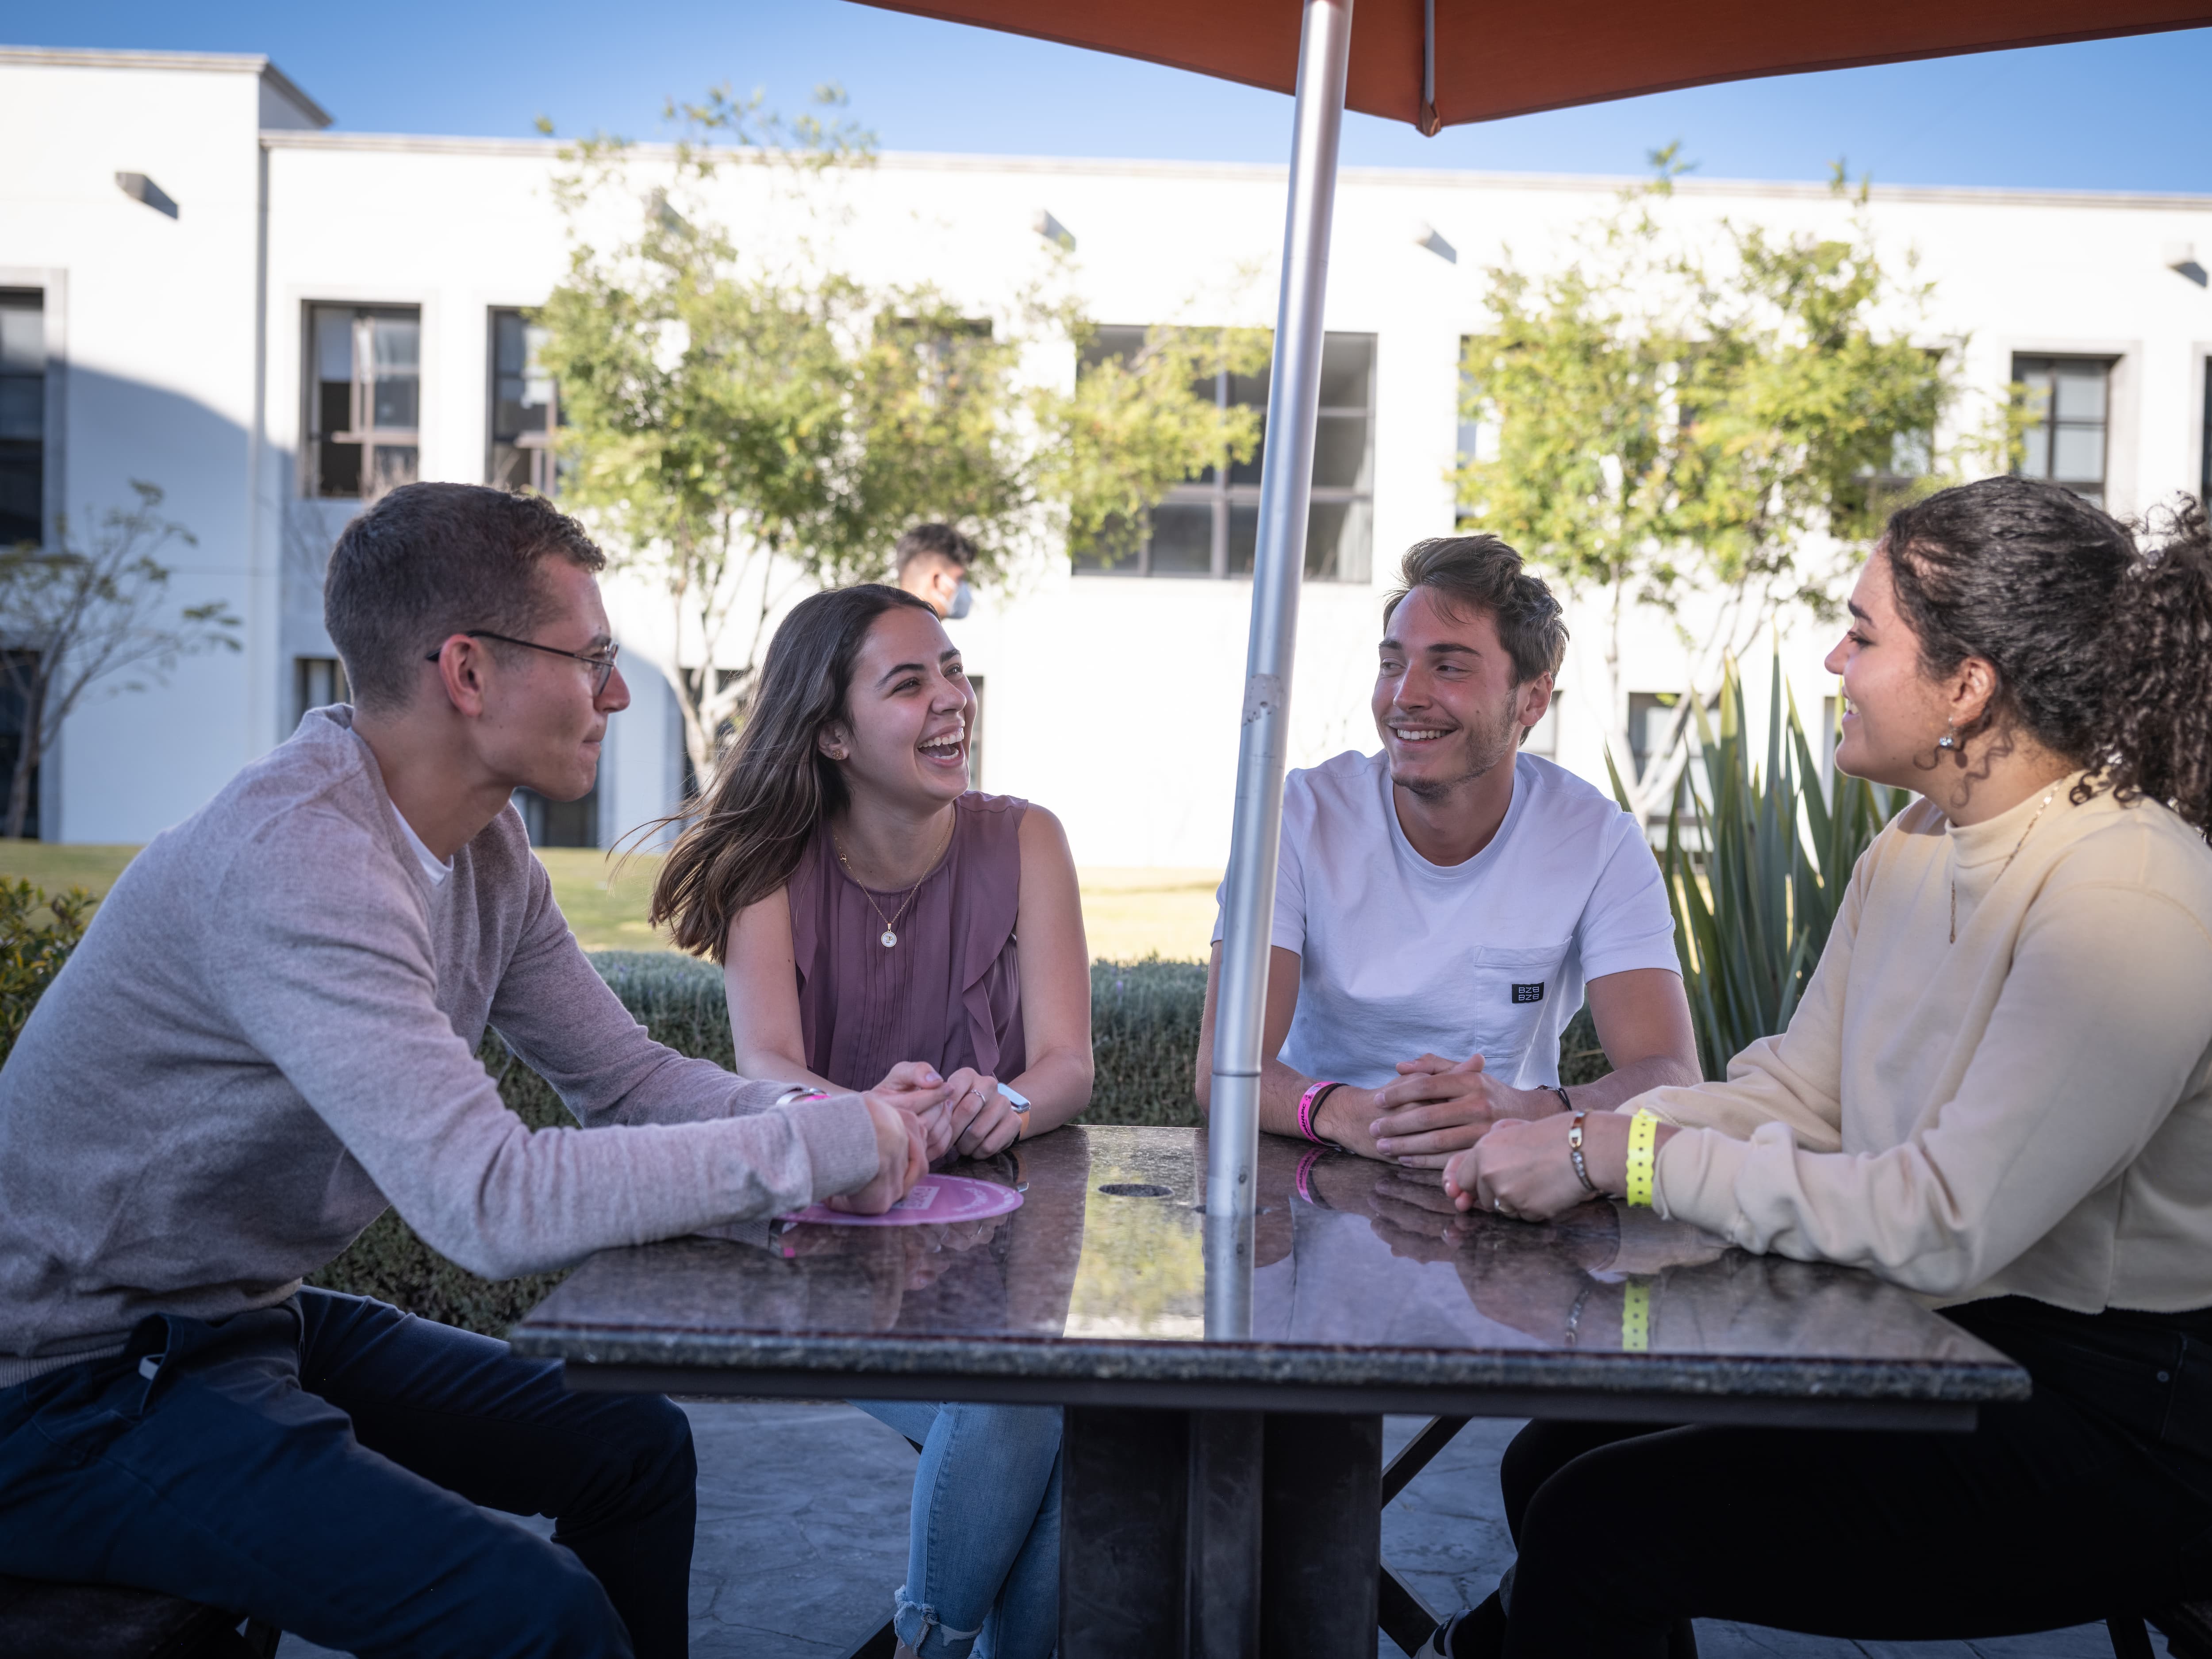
<point x="1491" y="59"/>
<point x="1433" y="62"/>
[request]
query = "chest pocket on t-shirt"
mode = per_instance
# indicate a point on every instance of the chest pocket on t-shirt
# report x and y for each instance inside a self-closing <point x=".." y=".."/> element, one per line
<point x="1516" y="990"/>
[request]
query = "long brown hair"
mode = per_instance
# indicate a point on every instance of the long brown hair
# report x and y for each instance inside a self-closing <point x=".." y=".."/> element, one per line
<point x="743" y="835"/>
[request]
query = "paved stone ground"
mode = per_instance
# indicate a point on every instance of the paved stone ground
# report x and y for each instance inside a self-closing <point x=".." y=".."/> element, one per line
<point x="802" y="1538"/>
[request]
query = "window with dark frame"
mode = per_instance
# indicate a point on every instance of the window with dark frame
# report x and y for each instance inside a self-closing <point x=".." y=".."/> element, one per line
<point x="523" y="408"/>
<point x="317" y="682"/>
<point x="22" y="416"/>
<point x="1543" y="737"/>
<point x="560" y="823"/>
<point x="976" y="735"/>
<point x="2204" y="476"/>
<point x="1650" y="713"/>
<point x="18" y="725"/>
<point x="2068" y="400"/>
<point x="364" y="392"/>
<point x="1209" y="525"/>
<point x="1479" y="431"/>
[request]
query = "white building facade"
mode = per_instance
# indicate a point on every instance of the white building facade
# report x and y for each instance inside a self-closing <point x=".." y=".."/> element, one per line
<point x="202" y="289"/>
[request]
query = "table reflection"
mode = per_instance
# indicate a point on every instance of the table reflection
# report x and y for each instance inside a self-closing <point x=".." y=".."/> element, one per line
<point x="1347" y="1255"/>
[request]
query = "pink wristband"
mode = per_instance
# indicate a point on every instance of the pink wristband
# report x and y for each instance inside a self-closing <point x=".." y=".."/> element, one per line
<point x="1309" y="1102"/>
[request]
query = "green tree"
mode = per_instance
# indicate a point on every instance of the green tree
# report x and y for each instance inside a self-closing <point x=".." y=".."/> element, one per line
<point x="1674" y="423"/>
<point x="1756" y="881"/>
<point x="78" y="615"/>
<point x="744" y="419"/>
<point x="1137" y="423"/>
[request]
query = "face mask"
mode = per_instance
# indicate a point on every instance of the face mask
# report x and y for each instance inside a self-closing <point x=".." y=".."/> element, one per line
<point x="964" y="601"/>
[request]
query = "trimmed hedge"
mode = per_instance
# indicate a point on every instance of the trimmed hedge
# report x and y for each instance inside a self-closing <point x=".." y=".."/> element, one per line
<point x="1144" y="1030"/>
<point x="32" y="951"/>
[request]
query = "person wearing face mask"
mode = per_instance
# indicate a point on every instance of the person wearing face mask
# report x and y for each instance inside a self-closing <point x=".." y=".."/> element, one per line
<point x="1996" y="1091"/>
<point x="933" y="561"/>
<point x="865" y="906"/>
<point x="1442" y="909"/>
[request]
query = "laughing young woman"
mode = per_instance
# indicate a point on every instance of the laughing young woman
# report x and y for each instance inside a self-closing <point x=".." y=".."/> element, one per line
<point x="1998" y="1091"/>
<point x="866" y="905"/>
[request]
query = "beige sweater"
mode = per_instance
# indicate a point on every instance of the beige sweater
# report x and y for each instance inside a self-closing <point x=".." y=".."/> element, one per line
<point x="2027" y="1111"/>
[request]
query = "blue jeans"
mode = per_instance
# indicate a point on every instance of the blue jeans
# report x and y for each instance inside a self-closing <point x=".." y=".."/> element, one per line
<point x="982" y="1565"/>
<point x="320" y="1464"/>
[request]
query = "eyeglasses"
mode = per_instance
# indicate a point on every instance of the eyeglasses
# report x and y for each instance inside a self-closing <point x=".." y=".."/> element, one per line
<point x="602" y="667"/>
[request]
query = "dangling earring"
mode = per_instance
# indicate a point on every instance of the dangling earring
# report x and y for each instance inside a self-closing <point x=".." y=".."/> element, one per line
<point x="1950" y="737"/>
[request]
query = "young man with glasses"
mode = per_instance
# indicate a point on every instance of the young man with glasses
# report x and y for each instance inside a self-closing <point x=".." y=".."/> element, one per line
<point x="268" y="1037"/>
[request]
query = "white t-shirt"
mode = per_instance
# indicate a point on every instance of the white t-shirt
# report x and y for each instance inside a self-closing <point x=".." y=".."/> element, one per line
<point x="1400" y="957"/>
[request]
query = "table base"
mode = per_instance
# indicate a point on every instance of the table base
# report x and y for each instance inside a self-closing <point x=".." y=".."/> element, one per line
<point x="1213" y="1535"/>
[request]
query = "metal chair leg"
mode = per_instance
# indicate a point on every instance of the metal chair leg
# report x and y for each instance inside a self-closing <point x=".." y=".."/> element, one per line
<point x="877" y="1644"/>
<point x="1405" y="1618"/>
<point x="1415" y="1455"/>
<point x="2130" y="1639"/>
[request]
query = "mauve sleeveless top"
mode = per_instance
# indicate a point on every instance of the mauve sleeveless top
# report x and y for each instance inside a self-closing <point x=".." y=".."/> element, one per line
<point x="950" y="991"/>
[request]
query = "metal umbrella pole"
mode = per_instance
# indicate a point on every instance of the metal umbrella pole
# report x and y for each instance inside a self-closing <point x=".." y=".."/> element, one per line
<point x="1279" y="567"/>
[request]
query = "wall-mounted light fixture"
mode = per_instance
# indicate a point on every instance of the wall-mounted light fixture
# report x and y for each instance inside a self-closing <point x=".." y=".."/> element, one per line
<point x="139" y="188"/>
<point x="2181" y="259"/>
<point x="666" y="216"/>
<point x="1428" y="236"/>
<point x="1052" y="231"/>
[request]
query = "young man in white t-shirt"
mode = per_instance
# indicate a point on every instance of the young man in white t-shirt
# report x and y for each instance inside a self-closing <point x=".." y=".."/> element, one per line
<point x="1442" y="909"/>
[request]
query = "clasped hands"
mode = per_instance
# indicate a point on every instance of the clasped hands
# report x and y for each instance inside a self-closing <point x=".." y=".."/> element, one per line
<point x="919" y="1116"/>
<point x="1502" y="1148"/>
<point x="1436" y="1108"/>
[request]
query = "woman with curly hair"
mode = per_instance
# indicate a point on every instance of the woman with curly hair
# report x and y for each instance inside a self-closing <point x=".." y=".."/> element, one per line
<point x="1996" y="1092"/>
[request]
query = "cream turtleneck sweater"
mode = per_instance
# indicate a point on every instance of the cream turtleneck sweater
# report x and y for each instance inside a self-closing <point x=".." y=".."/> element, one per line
<point x="2024" y="1111"/>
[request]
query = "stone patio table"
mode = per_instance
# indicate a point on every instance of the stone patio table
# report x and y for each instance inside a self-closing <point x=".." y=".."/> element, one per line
<point x="1224" y="1496"/>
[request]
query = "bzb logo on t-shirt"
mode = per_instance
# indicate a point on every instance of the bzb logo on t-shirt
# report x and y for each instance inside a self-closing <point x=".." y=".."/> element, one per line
<point x="1528" y="992"/>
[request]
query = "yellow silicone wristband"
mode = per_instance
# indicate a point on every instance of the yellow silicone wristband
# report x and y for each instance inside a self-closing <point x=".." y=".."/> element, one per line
<point x="1643" y="1155"/>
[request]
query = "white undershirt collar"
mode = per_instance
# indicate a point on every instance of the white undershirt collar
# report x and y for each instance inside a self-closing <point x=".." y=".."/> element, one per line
<point x="433" y="866"/>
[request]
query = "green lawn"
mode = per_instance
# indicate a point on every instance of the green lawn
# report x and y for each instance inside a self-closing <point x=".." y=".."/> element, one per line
<point x="54" y="868"/>
<point x="1127" y="914"/>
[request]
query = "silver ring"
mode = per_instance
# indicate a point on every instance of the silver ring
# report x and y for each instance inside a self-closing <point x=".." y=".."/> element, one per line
<point x="1497" y="1205"/>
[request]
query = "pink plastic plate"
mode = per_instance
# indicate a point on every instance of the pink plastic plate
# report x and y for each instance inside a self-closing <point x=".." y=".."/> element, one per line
<point x="935" y="1199"/>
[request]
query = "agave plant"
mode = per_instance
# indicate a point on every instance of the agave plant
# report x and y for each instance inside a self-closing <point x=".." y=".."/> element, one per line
<point x="1756" y="874"/>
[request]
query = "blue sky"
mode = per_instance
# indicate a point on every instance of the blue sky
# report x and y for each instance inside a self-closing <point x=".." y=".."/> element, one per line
<point x="2106" y="115"/>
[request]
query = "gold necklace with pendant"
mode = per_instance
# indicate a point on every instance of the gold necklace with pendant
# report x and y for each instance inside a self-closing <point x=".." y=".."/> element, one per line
<point x="889" y="937"/>
<point x="2010" y="857"/>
